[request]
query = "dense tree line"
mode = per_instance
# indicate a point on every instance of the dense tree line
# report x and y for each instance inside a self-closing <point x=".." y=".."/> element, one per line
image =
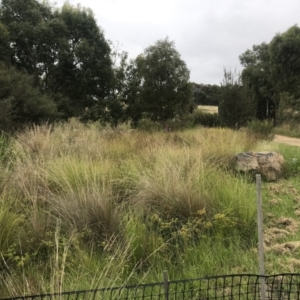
<point x="55" y="63"/>
<point x="270" y="80"/>
<point x="62" y="55"/>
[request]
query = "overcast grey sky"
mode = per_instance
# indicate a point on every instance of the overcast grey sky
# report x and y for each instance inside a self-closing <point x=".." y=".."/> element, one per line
<point x="209" y="34"/>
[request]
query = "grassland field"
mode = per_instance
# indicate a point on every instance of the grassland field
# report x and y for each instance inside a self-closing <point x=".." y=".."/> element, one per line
<point x="82" y="206"/>
<point x="208" y="108"/>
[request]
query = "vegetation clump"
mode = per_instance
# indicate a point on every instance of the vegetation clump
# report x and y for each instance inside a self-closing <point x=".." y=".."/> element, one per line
<point x="136" y="202"/>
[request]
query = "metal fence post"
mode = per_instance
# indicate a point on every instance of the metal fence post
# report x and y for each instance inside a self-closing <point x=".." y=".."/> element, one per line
<point x="166" y="284"/>
<point x="260" y="237"/>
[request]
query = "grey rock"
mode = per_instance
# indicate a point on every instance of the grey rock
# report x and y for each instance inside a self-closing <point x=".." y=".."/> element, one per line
<point x="268" y="163"/>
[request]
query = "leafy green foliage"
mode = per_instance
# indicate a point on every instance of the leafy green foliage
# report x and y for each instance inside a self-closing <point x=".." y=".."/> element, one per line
<point x="206" y="94"/>
<point x="4" y="43"/>
<point x="64" y="50"/>
<point x="25" y="21"/>
<point x="285" y="62"/>
<point x="261" y="129"/>
<point x="21" y="103"/>
<point x="272" y="69"/>
<point x="236" y="106"/>
<point x="256" y="77"/>
<point x="165" y="91"/>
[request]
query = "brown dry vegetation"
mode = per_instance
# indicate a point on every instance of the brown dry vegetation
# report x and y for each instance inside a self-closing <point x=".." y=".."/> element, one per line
<point x="208" y="108"/>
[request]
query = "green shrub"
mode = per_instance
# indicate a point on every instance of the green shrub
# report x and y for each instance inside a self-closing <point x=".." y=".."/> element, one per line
<point x="236" y="106"/>
<point x="21" y="102"/>
<point x="261" y="129"/>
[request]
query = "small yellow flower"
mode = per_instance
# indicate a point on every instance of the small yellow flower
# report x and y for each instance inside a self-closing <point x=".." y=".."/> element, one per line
<point x="201" y="212"/>
<point x="208" y="225"/>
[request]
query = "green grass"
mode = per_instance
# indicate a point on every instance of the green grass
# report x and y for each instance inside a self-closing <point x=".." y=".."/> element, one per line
<point x="84" y="207"/>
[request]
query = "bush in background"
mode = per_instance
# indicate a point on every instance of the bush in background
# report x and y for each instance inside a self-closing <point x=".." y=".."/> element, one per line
<point x="261" y="129"/>
<point x="22" y="103"/>
<point x="236" y="106"/>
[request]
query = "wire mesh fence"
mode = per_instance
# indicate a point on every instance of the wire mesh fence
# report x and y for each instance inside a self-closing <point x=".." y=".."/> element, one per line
<point x="233" y="287"/>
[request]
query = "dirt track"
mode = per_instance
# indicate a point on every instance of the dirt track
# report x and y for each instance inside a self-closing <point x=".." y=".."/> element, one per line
<point x="287" y="140"/>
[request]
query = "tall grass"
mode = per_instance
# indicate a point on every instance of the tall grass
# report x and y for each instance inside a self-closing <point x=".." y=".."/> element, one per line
<point x="120" y="206"/>
<point x="10" y="222"/>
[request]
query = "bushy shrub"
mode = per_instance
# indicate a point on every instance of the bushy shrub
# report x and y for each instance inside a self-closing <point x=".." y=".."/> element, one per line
<point x="21" y="102"/>
<point x="261" y="129"/>
<point x="236" y="106"/>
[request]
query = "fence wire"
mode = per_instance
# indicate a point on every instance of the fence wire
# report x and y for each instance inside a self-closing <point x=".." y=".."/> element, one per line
<point x="233" y="287"/>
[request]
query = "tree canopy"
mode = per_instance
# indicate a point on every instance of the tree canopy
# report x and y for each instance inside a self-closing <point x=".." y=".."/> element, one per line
<point x="236" y="105"/>
<point x="68" y="59"/>
<point x="64" y="49"/>
<point x="271" y="69"/>
<point x="206" y="94"/>
<point x="69" y="69"/>
<point x="165" y="91"/>
<point x="21" y="102"/>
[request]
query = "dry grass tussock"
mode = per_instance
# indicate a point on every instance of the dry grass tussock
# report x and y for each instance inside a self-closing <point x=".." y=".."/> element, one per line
<point x="101" y="185"/>
<point x="173" y="183"/>
<point x="72" y="169"/>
